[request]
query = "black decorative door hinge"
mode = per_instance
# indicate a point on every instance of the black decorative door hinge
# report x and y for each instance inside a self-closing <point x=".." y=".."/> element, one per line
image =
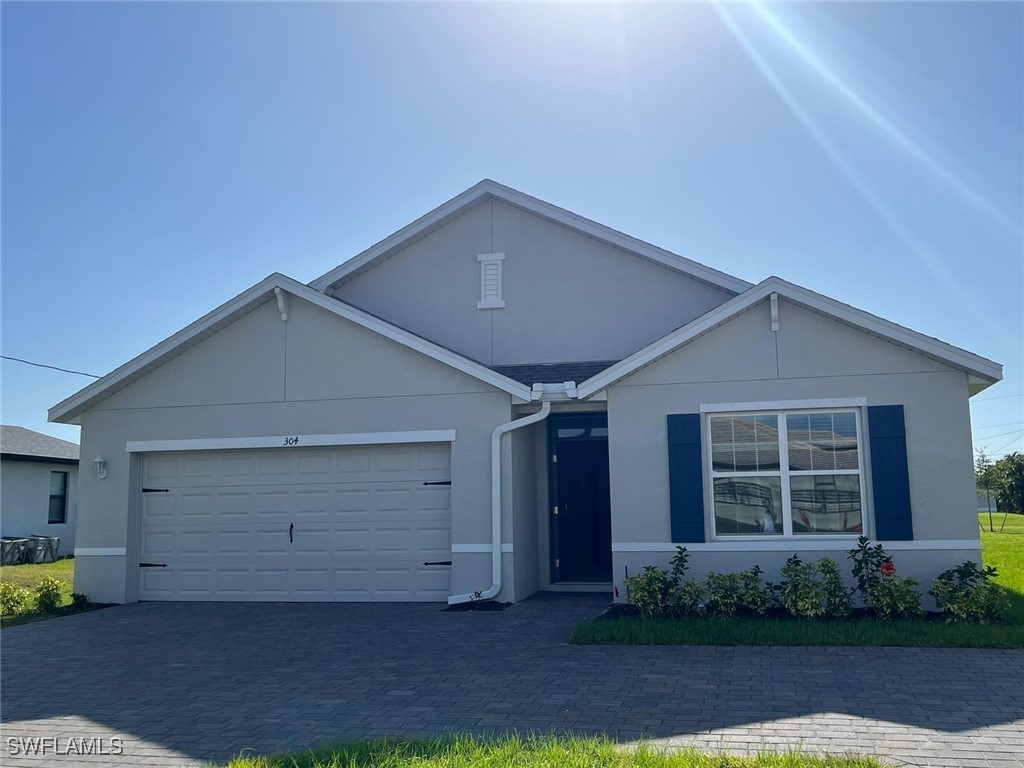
<point x="156" y="490"/>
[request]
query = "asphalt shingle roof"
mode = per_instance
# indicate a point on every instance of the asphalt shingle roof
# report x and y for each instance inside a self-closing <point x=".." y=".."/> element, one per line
<point x="24" y="442"/>
<point x="553" y="373"/>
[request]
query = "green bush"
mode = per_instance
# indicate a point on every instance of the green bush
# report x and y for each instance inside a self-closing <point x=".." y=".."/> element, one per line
<point x="814" y="590"/>
<point x="685" y="598"/>
<point x="867" y="565"/>
<point x="13" y="599"/>
<point x="48" y="596"/>
<point x="732" y="593"/>
<point x="894" y="597"/>
<point x="966" y="594"/>
<point x="649" y="590"/>
<point x="80" y="601"/>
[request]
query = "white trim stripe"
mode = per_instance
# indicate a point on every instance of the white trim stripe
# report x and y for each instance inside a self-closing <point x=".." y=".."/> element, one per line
<point x="917" y="342"/>
<point x="100" y="551"/>
<point x="286" y="441"/>
<point x="800" y="544"/>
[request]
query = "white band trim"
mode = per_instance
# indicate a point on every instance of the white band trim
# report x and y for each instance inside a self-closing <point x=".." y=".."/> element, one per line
<point x="785" y="405"/>
<point x="795" y="545"/>
<point x="291" y="441"/>
<point x="462" y="548"/>
<point x="105" y="551"/>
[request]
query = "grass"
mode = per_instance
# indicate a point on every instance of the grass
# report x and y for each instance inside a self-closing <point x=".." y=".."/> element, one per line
<point x="29" y="575"/>
<point x="529" y="752"/>
<point x="1004" y="550"/>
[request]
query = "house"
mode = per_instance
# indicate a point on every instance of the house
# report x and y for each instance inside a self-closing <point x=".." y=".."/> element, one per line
<point x="38" y="486"/>
<point x="505" y="397"/>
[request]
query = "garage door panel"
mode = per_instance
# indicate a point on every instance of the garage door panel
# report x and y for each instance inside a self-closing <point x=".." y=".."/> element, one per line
<point x="363" y="524"/>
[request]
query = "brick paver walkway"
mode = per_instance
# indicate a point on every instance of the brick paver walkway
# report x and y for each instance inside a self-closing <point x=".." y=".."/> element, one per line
<point x="184" y="683"/>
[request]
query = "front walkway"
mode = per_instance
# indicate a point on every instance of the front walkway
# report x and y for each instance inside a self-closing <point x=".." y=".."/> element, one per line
<point x="183" y="683"/>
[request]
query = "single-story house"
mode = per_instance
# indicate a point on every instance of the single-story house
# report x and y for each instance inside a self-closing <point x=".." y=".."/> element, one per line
<point x="504" y="397"/>
<point x="38" y="486"/>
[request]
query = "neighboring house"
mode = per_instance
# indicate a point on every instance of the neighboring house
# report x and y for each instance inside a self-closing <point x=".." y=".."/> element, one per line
<point x="987" y="501"/>
<point x="336" y="441"/>
<point x="38" y="486"/>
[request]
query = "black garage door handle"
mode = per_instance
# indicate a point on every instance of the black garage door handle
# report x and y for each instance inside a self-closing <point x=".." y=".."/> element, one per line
<point x="291" y="529"/>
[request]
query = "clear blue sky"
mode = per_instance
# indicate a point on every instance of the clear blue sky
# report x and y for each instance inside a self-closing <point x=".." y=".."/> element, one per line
<point x="160" y="158"/>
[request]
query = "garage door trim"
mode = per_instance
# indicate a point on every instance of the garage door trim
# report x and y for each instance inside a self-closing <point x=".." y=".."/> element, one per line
<point x="291" y="441"/>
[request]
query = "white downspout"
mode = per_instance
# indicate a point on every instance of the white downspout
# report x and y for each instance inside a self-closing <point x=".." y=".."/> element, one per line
<point x="495" y="588"/>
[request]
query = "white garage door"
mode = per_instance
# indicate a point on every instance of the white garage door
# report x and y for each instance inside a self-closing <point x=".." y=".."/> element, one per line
<point x="301" y="524"/>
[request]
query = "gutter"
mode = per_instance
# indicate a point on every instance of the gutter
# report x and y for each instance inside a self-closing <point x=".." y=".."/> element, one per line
<point x="544" y="393"/>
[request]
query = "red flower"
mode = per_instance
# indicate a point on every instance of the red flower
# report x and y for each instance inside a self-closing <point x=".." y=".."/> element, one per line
<point x="888" y="569"/>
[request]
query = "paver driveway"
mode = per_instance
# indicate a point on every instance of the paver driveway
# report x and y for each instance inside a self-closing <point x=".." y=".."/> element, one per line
<point x="183" y="683"/>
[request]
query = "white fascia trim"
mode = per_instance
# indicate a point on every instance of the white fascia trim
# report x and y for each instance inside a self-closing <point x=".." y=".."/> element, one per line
<point x="70" y="408"/>
<point x="100" y="551"/>
<point x="476" y="548"/>
<point x="795" y="545"/>
<point x="784" y="405"/>
<point x="858" y="318"/>
<point x="291" y="441"/>
<point x="488" y="188"/>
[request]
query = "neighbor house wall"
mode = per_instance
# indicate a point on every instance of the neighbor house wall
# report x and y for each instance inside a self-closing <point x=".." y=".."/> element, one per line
<point x="810" y="357"/>
<point x="567" y="297"/>
<point x="25" y="501"/>
<point x="314" y="374"/>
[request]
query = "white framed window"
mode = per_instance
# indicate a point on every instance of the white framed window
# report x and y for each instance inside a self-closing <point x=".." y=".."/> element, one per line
<point x="783" y="473"/>
<point x="491" y="281"/>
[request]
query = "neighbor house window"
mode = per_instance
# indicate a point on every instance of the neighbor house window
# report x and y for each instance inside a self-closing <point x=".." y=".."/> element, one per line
<point x="787" y="473"/>
<point x="58" y="497"/>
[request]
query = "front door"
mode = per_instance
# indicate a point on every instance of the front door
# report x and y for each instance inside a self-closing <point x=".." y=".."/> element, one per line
<point x="581" y="524"/>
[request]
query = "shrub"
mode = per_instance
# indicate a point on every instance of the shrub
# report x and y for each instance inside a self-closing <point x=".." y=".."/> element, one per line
<point x="48" y="594"/>
<point x="814" y="590"/>
<point x="732" y="593"/>
<point x="966" y="594"/>
<point x="649" y="590"/>
<point x="894" y="597"/>
<point x="685" y="598"/>
<point x="867" y="565"/>
<point x="13" y="599"/>
<point x="80" y="601"/>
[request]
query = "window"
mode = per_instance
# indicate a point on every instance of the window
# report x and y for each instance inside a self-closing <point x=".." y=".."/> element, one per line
<point x="786" y="474"/>
<point x="58" y="497"/>
<point x="490" y="281"/>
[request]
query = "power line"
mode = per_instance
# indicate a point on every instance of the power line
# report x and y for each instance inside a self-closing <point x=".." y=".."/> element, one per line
<point x="1003" y="448"/>
<point x="1004" y="424"/>
<point x="51" y="367"/>
<point x="1001" y="397"/>
<point x="1001" y="434"/>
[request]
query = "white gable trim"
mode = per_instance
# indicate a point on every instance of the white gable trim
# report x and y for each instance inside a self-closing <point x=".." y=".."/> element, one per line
<point x="488" y="189"/>
<point x="978" y="366"/>
<point x="68" y="410"/>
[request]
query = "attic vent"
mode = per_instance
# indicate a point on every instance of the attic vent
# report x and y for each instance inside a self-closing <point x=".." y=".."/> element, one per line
<point x="490" y="281"/>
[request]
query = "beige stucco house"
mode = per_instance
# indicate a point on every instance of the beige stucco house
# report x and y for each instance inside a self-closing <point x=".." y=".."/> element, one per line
<point x="505" y="397"/>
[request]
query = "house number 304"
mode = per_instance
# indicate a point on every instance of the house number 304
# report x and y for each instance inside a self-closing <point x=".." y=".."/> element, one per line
<point x="291" y="441"/>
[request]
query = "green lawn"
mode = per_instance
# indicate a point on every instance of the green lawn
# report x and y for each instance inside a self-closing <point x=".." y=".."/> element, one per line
<point x="528" y="752"/>
<point x="29" y="575"/>
<point x="1004" y="550"/>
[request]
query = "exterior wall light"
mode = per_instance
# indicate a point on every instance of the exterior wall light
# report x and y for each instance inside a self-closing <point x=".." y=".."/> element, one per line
<point x="101" y="467"/>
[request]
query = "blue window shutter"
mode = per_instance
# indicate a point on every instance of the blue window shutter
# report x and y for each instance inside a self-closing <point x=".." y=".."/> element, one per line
<point x="890" y="479"/>
<point x="685" y="477"/>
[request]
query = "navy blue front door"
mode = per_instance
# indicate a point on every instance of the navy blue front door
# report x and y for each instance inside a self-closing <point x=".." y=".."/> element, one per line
<point x="581" y="528"/>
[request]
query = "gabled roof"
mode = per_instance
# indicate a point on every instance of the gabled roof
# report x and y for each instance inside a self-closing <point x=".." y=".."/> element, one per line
<point x="26" y="443"/>
<point x="68" y="411"/>
<point x="552" y="373"/>
<point x="983" y="372"/>
<point x="491" y="190"/>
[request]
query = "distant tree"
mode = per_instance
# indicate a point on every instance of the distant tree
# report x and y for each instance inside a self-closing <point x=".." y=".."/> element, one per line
<point x="984" y="477"/>
<point x="1008" y="482"/>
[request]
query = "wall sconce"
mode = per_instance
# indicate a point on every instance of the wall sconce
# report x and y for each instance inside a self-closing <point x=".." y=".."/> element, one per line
<point x="101" y="467"/>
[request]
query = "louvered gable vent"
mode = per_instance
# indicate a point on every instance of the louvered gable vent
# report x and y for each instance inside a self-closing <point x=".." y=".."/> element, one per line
<point x="490" y="281"/>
